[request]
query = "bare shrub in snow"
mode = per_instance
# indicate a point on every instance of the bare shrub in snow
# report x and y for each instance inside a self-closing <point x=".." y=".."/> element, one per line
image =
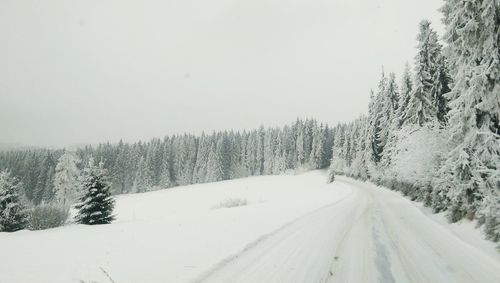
<point x="232" y="202"/>
<point x="331" y="176"/>
<point x="47" y="216"/>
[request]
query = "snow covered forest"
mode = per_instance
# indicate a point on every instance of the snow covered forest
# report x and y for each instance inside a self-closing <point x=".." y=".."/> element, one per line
<point x="394" y="176"/>
<point x="179" y="160"/>
<point x="432" y="133"/>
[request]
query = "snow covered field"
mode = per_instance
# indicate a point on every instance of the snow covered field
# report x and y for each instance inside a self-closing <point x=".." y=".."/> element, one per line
<point x="292" y="229"/>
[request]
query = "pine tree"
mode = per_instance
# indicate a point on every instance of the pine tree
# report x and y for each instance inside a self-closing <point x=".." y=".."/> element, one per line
<point x="236" y="166"/>
<point x="469" y="178"/>
<point x="224" y="151"/>
<point x="185" y="159"/>
<point x="260" y="151"/>
<point x="327" y="147"/>
<point x="301" y="155"/>
<point x="405" y="95"/>
<point x="390" y="122"/>
<point x="388" y="101"/>
<point x="279" y="164"/>
<point x="44" y="186"/>
<point x="66" y="179"/>
<point x="165" y="177"/>
<point x="364" y="151"/>
<point x="214" y="166"/>
<point x="96" y="203"/>
<point x="421" y="109"/>
<point x="376" y="116"/>
<point x="269" y="141"/>
<point x="153" y="161"/>
<point x="12" y="213"/>
<point x="316" y="156"/>
<point x="200" y="167"/>
<point x="142" y="181"/>
<point x="346" y="149"/>
<point x="392" y="94"/>
<point x="120" y="169"/>
<point x="245" y="155"/>
<point x="49" y="193"/>
<point x="442" y="81"/>
<point x="308" y="129"/>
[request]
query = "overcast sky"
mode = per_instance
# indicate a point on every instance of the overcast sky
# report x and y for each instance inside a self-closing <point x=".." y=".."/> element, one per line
<point x="90" y="71"/>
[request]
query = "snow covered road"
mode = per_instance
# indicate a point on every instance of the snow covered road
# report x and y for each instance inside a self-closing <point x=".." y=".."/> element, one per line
<point x="372" y="235"/>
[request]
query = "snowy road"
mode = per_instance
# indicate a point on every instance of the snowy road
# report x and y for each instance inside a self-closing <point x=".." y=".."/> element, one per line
<point x="371" y="235"/>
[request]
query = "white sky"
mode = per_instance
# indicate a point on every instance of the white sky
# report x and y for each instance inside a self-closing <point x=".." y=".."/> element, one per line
<point x="87" y="71"/>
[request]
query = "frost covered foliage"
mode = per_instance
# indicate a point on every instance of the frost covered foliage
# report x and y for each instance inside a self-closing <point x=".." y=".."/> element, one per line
<point x="96" y="203"/>
<point x="443" y="144"/>
<point x="417" y="154"/>
<point x="47" y="216"/>
<point x="12" y="213"/>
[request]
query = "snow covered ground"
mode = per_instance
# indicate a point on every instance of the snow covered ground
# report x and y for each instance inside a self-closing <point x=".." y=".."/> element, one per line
<point x="292" y="229"/>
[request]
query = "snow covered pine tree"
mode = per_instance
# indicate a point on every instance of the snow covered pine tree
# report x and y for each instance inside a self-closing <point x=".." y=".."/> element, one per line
<point x="66" y="179"/>
<point x="12" y="214"/>
<point x="469" y="180"/>
<point x="96" y="204"/>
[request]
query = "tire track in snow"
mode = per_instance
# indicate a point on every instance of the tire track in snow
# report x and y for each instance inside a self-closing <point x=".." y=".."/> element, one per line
<point x="275" y="237"/>
<point x="371" y="235"/>
<point x="382" y="261"/>
<point x="418" y="248"/>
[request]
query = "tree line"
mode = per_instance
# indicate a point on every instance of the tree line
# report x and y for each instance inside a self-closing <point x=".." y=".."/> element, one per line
<point x="175" y="160"/>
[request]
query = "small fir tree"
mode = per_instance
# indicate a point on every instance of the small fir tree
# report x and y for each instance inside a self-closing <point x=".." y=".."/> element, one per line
<point x="96" y="204"/>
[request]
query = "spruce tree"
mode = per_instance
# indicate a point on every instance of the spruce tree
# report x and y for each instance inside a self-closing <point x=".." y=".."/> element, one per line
<point x="388" y="101"/>
<point x="260" y="151"/>
<point x="120" y="168"/>
<point x="316" y="156"/>
<point x="224" y="150"/>
<point x="376" y="116"/>
<point x="299" y="145"/>
<point x="12" y="213"/>
<point x="442" y="81"/>
<point x="279" y="164"/>
<point x="405" y="95"/>
<point x="269" y="141"/>
<point x="96" y="203"/>
<point x="421" y="109"/>
<point x="390" y="122"/>
<point x="165" y="177"/>
<point x="236" y="165"/>
<point x="67" y="179"/>
<point x="200" y="167"/>
<point x="142" y="181"/>
<point x="214" y="166"/>
<point x="469" y="178"/>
